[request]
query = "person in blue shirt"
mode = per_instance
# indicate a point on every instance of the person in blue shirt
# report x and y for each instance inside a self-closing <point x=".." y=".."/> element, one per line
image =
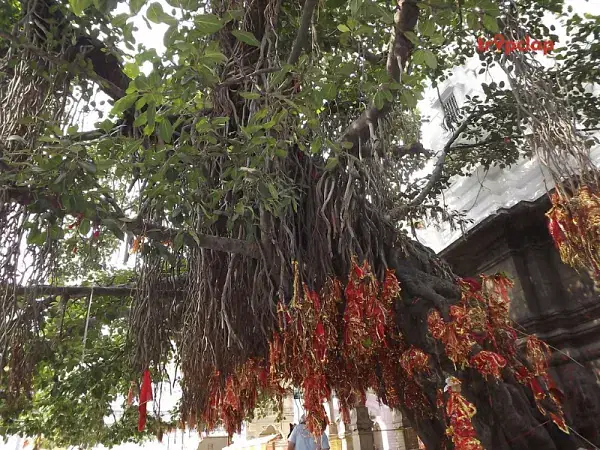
<point x="302" y="439"/>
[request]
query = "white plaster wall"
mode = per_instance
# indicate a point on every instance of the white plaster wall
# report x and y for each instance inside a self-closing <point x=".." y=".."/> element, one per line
<point x="390" y="437"/>
<point x="483" y="193"/>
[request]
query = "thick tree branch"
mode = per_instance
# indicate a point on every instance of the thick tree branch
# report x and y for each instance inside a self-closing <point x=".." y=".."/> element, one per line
<point x="79" y="291"/>
<point x="302" y="34"/>
<point x="216" y="243"/>
<point x="439" y="165"/>
<point x="410" y="150"/>
<point x="435" y="176"/>
<point x="359" y="132"/>
<point x="372" y="58"/>
<point x="105" y="83"/>
<point x="158" y="233"/>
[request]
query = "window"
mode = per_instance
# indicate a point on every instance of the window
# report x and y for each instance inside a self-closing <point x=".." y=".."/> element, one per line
<point x="451" y="112"/>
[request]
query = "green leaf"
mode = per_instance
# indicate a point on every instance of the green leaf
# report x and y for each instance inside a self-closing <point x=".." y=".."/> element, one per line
<point x="195" y="237"/>
<point x="79" y="6"/>
<point x="124" y="104"/>
<point x="329" y="91"/>
<point x="379" y="99"/>
<point x="165" y="130"/>
<point x="106" y="125"/>
<point x="430" y="59"/>
<point x="135" y="6"/>
<point x="246" y="37"/>
<point x="412" y="37"/>
<point x="343" y="28"/>
<point x="473" y="20"/>
<point x="87" y="166"/>
<point x="418" y="57"/>
<point x="332" y="163"/>
<point x="233" y="14"/>
<point x="388" y="95"/>
<point x="409" y="99"/>
<point x="250" y="95"/>
<point x="491" y="24"/>
<point x="36" y="237"/>
<point x="208" y="23"/>
<point x="347" y="145"/>
<point x="120" y="20"/>
<point x="489" y="7"/>
<point x="132" y="70"/>
<point x="364" y="30"/>
<point x="156" y="14"/>
<point x="140" y="120"/>
<point x="355" y="6"/>
<point x="170" y="35"/>
<point x="61" y="177"/>
<point x="387" y="16"/>
<point x="213" y="57"/>
<point x="427" y="28"/>
<point x="113" y="226"/>
<point x="151" y="114"/>
<point x="425" y="57"/>
<point x="270" y="124"/>
<point x="140" y="103"/>
<point x="273" y="190"/>
<point x="178" y="241"/>
<point x="85" y="226"/>
<point x="316" y="145"/>
<point x="281" y="152"/>
<point x="437" y="39"/>
<point x="264" y="190"/>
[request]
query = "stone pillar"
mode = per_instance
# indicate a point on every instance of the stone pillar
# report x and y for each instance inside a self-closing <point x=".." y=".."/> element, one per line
<point x="396" y="440"/>
<point x="363" y="430"/>
<point x="347" y="443"/>
<point x="335" y="443"/>
<point x="411" y="439"/>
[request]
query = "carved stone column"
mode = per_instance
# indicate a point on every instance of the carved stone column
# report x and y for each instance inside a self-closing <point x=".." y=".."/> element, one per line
<point x="363" y="430"/>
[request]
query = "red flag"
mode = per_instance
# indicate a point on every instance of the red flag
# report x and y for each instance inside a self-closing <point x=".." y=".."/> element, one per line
<point x="145" y="397"/>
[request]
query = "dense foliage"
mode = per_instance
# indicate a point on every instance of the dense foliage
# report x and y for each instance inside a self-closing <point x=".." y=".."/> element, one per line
<point x="268" y="136"/>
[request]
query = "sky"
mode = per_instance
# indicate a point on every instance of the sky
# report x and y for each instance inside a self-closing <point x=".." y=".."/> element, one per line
<point x="153" y="38"/>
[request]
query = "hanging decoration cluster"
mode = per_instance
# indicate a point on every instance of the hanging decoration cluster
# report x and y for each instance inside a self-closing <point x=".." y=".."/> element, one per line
<point x="344" y="340"/>
<point x="574" y="224"/>
<point x="459" y="412"/>
<point x="479" y="335"/>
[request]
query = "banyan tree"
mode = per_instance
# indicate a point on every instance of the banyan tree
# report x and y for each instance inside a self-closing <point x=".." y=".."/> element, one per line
<point x="262" y="169"/>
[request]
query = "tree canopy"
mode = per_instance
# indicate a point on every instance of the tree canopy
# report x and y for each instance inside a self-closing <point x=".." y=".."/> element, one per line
<point x="263" y="157"/>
